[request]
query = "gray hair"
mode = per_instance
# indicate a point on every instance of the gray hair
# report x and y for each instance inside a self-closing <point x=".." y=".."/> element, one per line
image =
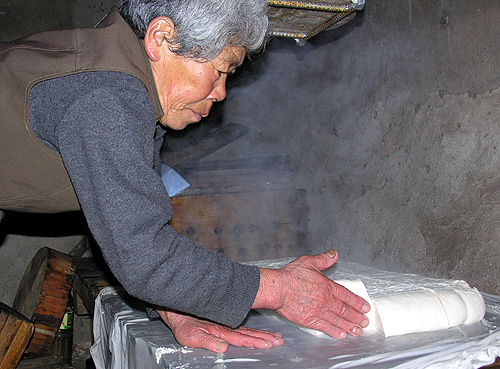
<point x="203" y="27"/>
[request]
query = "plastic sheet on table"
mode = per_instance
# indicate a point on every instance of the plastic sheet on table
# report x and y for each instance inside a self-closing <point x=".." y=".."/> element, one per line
<point x="125" y="338"/>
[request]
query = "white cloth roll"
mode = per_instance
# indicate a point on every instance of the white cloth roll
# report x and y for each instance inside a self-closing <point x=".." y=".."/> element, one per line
<point x="454" y="307"/>
<point x="411" y="312"/>
<point x="474" y="303"/>
<point x="420" y="310"/>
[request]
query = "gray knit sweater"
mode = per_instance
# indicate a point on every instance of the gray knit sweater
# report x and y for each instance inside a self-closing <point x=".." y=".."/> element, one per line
<point x="103" y="126"/>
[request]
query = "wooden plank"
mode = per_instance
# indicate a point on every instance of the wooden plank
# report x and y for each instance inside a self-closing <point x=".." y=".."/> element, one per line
<point x="7" y="334"/>
<point x="18" y="345"/>
<point x="15" y="333"/>
<point x="81" y="247"/>
<point x="90" y="277"/>
<point x="85" y="293"/>
<point x="90" y="267"/>
<point x="265" y="162"/>
<point x="211" y="142"/>
<point x="244" y="180"/>
<point x="239" y="175"/>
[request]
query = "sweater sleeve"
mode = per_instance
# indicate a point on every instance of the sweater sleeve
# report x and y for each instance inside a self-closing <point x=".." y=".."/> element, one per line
<point x="106" y="139"/>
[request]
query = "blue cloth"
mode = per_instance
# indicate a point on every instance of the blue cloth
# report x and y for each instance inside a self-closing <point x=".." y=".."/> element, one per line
<point x="173" y="181"/>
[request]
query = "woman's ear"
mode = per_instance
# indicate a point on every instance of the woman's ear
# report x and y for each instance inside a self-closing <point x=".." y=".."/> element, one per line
<point x="160" y="32"/>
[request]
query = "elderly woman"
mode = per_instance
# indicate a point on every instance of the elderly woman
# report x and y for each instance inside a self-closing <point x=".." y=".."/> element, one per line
<point x="79" y="130"/>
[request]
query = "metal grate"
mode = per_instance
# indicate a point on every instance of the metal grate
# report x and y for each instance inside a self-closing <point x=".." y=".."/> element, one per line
<point x="304" y="19"/>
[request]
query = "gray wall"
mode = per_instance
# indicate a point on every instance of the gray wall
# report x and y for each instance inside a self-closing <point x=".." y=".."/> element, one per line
<point x="392" y="124"/>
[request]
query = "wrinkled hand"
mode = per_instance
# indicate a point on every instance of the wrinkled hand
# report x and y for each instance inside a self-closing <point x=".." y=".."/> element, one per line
<point x="300" y="292"/>
<point x="192" y="332"/>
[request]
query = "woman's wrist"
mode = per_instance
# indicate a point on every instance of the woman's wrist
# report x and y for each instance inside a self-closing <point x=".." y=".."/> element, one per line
<point x="269" y="295"/>
<point x="168" y="316"/>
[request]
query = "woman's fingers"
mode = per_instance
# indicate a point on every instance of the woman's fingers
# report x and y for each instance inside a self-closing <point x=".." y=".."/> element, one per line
<point x="314" y="301"/>
<point x="192" y="332"/>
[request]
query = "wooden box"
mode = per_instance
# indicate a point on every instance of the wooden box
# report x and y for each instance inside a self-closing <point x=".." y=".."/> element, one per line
<point x="43" y="295"/>
<point x="249" y="209"/>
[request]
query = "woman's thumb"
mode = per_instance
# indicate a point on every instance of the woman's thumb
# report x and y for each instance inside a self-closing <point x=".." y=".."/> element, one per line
<point x="326" y="260"/>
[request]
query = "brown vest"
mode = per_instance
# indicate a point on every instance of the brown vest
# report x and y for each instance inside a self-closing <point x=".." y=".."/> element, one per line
<point x="33" y="177"/>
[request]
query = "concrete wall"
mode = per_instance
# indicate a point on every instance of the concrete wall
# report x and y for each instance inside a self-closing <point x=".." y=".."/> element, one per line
<point x="392" y="124"/>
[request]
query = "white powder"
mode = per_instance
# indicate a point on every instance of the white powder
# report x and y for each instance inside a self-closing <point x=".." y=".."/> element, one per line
<point x="160" y="351"/>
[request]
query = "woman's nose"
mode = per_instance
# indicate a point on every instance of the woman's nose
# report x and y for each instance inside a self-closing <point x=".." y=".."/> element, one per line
<point x="219" y="91"/>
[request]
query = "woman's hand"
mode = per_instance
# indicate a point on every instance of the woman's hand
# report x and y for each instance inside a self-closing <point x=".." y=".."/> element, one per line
<point x="300" y="292"/>
<point x="192" y="332"/>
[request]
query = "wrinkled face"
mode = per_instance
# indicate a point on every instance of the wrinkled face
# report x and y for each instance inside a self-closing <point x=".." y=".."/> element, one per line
<point x="188" y="88"/>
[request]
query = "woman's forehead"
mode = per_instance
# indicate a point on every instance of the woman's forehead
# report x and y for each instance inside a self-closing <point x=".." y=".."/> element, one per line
<point x="232" y="55"/>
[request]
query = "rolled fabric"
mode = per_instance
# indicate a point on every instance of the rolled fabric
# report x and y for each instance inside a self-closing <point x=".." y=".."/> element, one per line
<point x="422" y="310"/>
<point x="454" y="306"/>
<point x="474" y="303"/>
<point x="411" y="312"/>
